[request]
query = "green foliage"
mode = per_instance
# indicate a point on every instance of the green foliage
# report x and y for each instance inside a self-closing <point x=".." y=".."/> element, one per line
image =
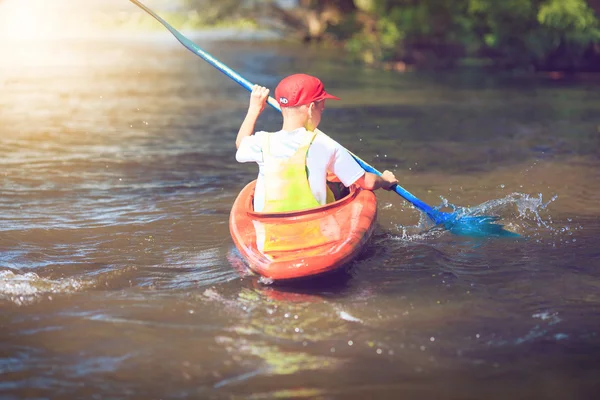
<point x="569" y="15"/>
<point x="529" y="32"/>
<point x="504" y="28"/>
<point x="510" y="33"/>
<point x="571" y="21"/>
<point x="389" y="33"/>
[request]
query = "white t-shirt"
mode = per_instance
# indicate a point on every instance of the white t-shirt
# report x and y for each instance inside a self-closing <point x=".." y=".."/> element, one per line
<point x="324" y="154"/>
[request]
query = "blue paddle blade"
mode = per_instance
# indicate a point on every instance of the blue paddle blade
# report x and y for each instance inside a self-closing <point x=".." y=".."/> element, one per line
<point x="470" y="225"/>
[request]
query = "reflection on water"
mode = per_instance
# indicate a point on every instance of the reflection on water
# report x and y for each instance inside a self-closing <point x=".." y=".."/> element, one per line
<point x="118" y="277"/>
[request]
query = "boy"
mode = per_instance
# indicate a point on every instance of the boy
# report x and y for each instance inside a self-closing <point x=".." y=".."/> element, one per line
<point x="294" y="162"/>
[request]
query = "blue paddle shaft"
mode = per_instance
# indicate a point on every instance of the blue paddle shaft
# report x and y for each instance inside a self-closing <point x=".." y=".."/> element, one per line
<point x="435" y="215"/>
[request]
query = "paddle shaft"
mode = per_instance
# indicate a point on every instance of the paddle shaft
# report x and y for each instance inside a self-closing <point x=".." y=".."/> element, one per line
<point x="432" y="213"/>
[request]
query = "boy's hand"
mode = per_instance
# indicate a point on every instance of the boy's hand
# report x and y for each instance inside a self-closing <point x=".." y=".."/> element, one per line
<point x="258" y="99"/>
<point x="390" y="179"/>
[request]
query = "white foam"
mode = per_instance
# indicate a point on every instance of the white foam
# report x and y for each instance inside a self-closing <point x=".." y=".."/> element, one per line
<point x="26" y="288"/>
<point x="345" y="316"/>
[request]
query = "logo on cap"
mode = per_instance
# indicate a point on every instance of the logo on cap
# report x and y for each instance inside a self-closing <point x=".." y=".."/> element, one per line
<point x="283" y="100"/>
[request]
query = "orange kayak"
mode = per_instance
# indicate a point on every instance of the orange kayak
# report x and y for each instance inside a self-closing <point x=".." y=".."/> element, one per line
<point x="290" y="245"/>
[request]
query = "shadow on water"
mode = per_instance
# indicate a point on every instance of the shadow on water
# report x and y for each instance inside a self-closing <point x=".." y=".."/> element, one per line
<point x="328" y="285"/>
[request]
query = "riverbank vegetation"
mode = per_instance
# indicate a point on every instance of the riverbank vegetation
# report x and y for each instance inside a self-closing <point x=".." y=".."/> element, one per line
<point x="546" y="35"/>
<point x="561" y="35"/>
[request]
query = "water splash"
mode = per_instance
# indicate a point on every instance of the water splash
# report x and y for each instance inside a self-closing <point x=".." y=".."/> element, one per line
<point x="266" y="281"/>
<point x="347" y="317"/>
<point x="553" y="318"/>
<point x="527" y="207"/>
<point x="23" y="289"/>
<point x="528" y="215"/>
<point x="419" y="232"/>
<point x="517" y="212"/>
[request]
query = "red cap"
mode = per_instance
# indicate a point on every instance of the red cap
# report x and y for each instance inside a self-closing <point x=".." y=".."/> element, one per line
<point x="299" y="89"/>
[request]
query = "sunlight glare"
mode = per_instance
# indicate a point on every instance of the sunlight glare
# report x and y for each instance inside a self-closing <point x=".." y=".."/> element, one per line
<point x="30" y="20"/>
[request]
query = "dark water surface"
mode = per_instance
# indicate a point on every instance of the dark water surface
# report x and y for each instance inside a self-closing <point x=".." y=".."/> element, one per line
<point x="118" y="277"/>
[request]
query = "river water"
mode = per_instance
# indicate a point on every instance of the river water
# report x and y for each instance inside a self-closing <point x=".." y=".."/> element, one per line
<point x="119" y="279"/>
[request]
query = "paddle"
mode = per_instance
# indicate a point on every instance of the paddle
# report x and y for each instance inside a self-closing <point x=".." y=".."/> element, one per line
<point x="458" y="222"/>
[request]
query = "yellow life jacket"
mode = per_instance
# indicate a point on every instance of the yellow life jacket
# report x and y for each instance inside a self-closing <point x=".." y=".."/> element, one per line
<point x="286" y="181"/>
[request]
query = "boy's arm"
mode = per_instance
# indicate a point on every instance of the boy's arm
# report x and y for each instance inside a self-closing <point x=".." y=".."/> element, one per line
<point x="370" y="181"/>
<point x="258" y="99"/>
<point x="349" y="172"/>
